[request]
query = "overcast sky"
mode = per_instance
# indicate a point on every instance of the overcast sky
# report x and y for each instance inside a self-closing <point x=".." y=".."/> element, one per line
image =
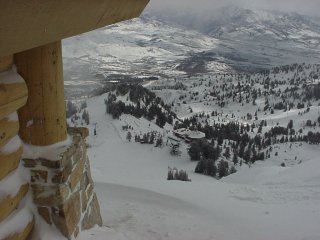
<point x="310" y="7"/>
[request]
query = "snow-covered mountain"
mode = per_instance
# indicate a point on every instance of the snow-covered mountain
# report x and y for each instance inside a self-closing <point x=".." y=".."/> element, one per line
<point x="234" y="40"/>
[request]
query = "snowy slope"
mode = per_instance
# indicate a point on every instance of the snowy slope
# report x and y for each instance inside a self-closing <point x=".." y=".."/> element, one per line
<point x="264" y="202"/>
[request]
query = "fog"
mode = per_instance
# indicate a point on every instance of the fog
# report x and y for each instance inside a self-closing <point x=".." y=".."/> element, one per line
<point x="308" y="7"/>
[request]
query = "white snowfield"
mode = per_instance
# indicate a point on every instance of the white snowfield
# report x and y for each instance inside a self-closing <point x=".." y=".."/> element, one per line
<point x="138" y="203"/>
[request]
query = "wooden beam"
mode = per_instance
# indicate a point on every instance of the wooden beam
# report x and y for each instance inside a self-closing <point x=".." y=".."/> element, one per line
<point x="43" y="118"/>
<point x="8" y="129"/>
<point x="25" y="234"/>
<point x="9" y="162"/>
<point x="8" y="204"/>
<point x="6" y="63"/>
<point x="33" y="23"/>
<point x="12" y="97"/>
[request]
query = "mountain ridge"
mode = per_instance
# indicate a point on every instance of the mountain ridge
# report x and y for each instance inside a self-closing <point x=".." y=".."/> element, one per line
<point x="243" y="41"/>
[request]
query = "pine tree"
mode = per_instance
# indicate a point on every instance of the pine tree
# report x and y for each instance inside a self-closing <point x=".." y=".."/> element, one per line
<point x="159" y="142"/>
<point x="129" y="136"/>
<point x="200" y="167"/>
<point x="235" y="159"/>
<point x="247" y="155"/>
<point x="85" y="117"/>
<point x="233" y="170"/>
<point x="194" y="151"/>
<point x="227" y="153"/>
<point x="223" y="169"/>
<point x="170" y="174"/>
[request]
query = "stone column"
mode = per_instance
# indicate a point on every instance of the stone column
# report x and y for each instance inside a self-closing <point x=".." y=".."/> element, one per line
<point x="63" y="189"/>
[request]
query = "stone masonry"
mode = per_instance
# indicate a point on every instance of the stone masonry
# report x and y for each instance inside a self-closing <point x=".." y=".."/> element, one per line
<point x="63" y="189"/>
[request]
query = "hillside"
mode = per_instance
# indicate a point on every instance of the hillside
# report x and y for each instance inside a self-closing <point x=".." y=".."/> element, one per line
<point x="138" y="202"/>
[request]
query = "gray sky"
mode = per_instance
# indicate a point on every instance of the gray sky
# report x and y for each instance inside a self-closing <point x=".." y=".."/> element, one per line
<point x="309" y="7"/>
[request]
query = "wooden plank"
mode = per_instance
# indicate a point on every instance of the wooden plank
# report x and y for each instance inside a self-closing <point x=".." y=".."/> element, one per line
<point x="8" y="129"/>
<point x="13" y="106"/>
<point x="25" y="234"/>
<point x="8" y="204"/>
<point x="33" y="23"/>
<point x="42" y="70"/>
<point x="6" y="63"/>
<point x="12" y="97"/>
<point x="9" y="162"/>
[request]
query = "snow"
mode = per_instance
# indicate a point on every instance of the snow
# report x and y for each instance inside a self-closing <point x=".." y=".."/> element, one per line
<point x="51" y="152"/>
<point x="13" y="117"/>
<point x="10" y="77"/>
<point x="16" y="222"/>
<point x="263" y="202"/>
<point x="11" y="184"/>
<point x="13" y="145"/>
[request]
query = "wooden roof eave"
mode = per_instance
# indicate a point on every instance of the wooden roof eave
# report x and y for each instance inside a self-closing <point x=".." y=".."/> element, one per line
<point x="28" y="24"/>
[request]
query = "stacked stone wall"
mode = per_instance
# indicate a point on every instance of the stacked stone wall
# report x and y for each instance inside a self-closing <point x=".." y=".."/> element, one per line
<point x="63" y="189"/>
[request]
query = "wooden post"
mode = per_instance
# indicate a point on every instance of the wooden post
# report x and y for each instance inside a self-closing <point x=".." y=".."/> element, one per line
<point x="43" y="118"/>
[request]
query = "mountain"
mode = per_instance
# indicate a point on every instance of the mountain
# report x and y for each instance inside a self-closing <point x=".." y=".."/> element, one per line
<point x="161" y="46"/>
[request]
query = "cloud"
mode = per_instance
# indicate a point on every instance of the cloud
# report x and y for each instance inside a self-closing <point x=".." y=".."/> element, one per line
<point x="310" y="7"/>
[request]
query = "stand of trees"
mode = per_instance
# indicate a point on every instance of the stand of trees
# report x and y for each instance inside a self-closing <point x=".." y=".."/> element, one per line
<point x="146" y="104"/>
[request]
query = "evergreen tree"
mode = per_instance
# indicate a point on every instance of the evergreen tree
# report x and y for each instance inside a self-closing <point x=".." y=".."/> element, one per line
<point x="227" y="153"/>
<point x="223" y="169"/>
<point x="129" y="136"/>
<point x="235" y="159"/>
<point x="85" y="117"/>
<point x="247" y="155"/>
<point x="159" y="142"/>
<point x="194" y="151"/>
<point x="233" y="170"/>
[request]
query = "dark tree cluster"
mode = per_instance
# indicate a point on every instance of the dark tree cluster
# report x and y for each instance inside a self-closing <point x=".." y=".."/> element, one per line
<point x="150" y="138"/>
<point x="175" y="174"/>
<point x="146" y="104"/>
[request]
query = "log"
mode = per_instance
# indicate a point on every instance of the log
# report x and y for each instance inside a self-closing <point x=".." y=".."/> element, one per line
<point x="6" y="63"/>
<point x="33" y="23"/>
<point x="9" y="162"/>
<point x="8" y="129"/>
<point x="42" y="70"/>
<point x="25" y="234"/>
<point x="12" y="97"/>
<point x="8" y="204"/>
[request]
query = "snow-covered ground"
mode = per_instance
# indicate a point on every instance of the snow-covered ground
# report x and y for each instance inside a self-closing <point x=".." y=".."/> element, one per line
<point x="137" y="202"/>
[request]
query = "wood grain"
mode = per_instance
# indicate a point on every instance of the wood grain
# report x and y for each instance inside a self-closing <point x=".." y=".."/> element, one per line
<point x="43" y="118"/>
<point x="33" y="23"/>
